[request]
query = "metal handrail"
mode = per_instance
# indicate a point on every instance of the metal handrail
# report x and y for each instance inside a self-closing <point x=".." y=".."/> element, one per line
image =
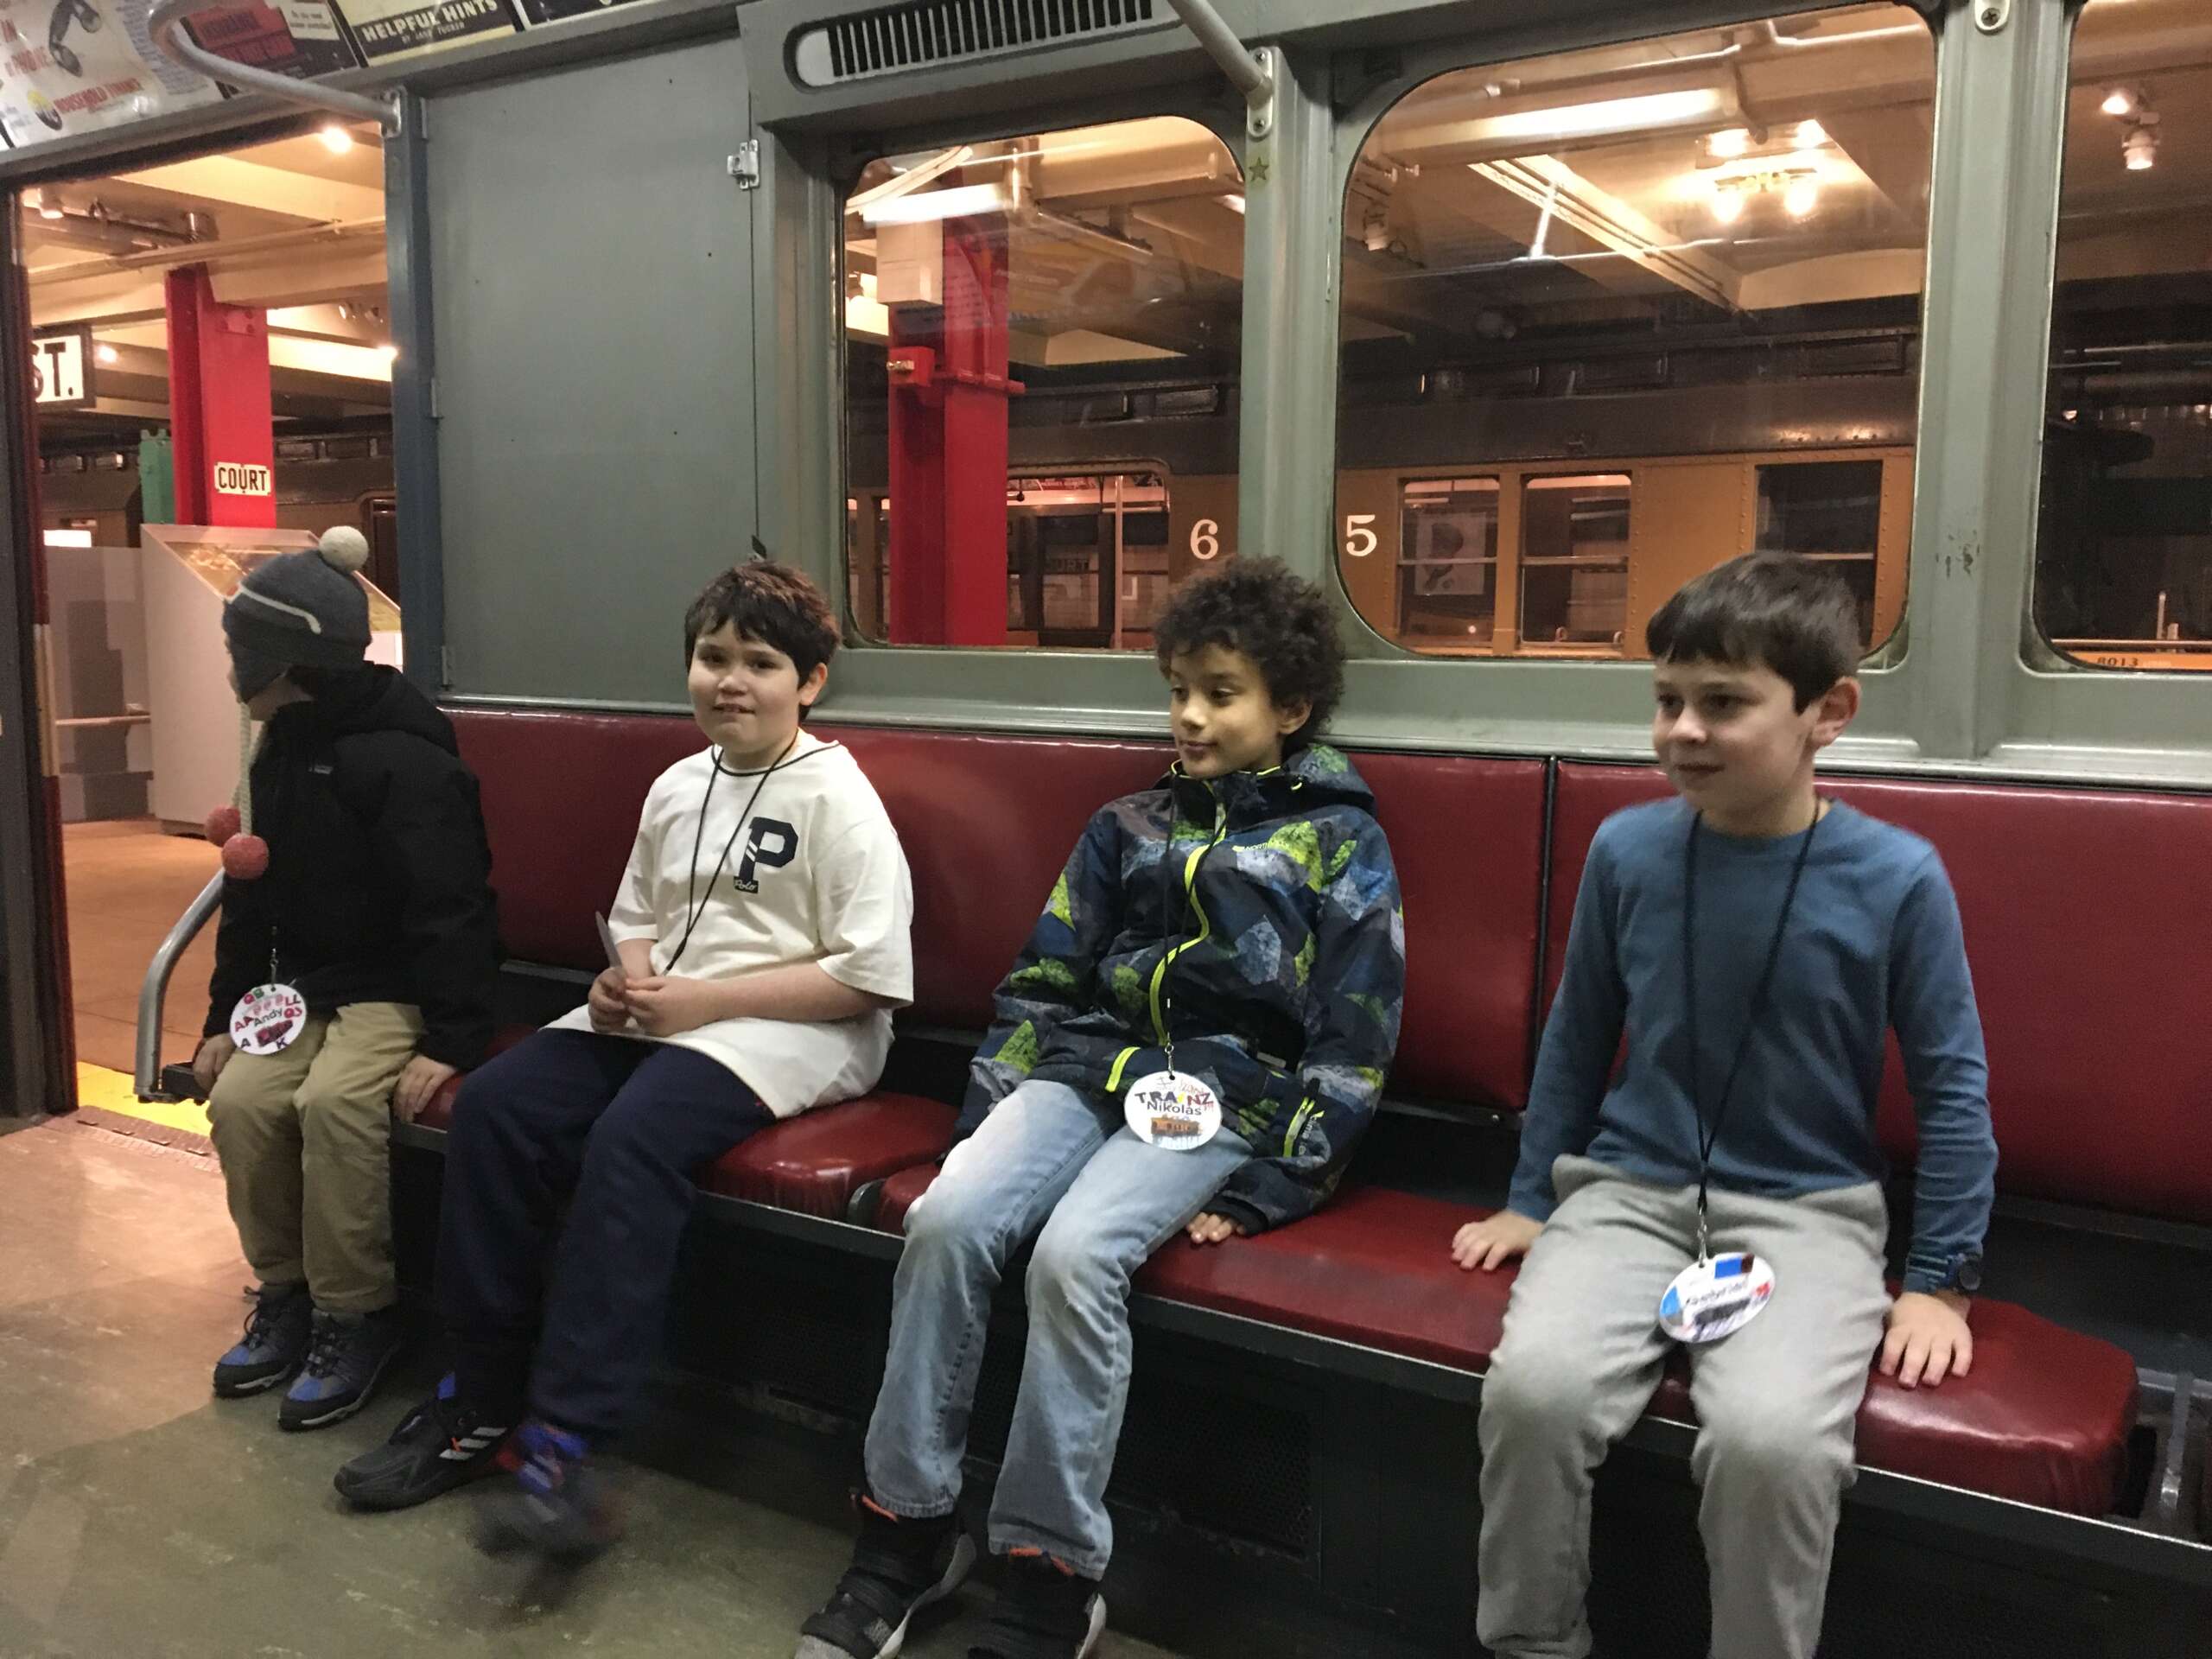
<point x="1252" y="73"/>
<point x="154" y="992"/>
<point x="165" y="23"/>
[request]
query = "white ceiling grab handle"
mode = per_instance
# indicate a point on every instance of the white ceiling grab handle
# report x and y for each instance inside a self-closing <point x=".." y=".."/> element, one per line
<point x="165" y="23"/>
<point x="1252" y="73"/>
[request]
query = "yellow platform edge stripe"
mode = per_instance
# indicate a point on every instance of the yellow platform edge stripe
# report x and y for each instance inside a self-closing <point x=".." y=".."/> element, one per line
<point x="114" y="1092"/>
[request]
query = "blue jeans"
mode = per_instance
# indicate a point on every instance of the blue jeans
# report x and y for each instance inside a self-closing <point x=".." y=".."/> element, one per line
<point x="1058" y="1157"/>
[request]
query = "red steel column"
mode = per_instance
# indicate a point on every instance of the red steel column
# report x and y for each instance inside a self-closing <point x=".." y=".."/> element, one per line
<point x="221" y="430"/>
<point x="949" y="394"/>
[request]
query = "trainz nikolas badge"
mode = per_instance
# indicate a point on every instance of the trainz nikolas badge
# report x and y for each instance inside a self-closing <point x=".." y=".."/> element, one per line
<point x="1711" y="1299"/>
<point x="268" y="1020"/>
<point x="1170" y="1109"/>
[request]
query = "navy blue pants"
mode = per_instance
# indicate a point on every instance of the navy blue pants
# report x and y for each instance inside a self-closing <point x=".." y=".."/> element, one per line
<point x="612" y="1131"/>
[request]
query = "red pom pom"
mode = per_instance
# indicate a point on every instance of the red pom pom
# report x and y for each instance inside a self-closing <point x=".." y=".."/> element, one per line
<point x="245" y="858"/>
<point x="222" y="823"/>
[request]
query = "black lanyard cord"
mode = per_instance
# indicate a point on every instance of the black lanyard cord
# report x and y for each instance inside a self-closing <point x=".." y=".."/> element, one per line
<point x="1708" y="1136"/>
<point x="693" y="906"/>
<point x="1171" y="921"/>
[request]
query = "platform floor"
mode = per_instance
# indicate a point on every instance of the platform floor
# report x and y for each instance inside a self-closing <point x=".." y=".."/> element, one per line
<point x="127" y="885"/>
<point x="140" y="1518"/>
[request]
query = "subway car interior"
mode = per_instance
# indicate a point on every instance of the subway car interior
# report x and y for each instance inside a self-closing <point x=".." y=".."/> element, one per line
<point x="1004" y="320"/>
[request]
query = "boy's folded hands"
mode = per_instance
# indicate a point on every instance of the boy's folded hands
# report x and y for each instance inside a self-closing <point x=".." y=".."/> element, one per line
<point x="667" y="1004"/>
<point x="609" y="1012"/>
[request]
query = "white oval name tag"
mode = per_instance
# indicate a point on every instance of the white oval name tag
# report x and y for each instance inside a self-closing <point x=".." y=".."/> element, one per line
<point x="268" y="1019"/>
<point x="1166" y="1109"/>
<point x="1711" y="1299"/>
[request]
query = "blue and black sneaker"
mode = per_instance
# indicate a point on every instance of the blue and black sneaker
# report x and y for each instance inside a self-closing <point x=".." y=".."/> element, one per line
<point x="1047" y="1610"/>
<point x="273" y="1346"/>
<point x="557" y="1508"/>
<point x="901" y="1566"/>
<point x="443" y="1443"/>
<point x="346" y="1358"/>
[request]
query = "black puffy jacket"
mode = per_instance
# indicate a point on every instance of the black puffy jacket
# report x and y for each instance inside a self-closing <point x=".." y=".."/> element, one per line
<point x="378" y="886"/>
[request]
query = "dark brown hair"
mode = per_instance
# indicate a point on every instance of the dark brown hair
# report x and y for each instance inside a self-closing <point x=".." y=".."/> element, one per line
<point x="1775" y="610"/>
<point x="771" y="603"/>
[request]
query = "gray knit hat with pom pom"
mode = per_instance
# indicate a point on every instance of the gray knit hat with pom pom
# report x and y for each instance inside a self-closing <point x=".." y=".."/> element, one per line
<point x="301" y="609"/>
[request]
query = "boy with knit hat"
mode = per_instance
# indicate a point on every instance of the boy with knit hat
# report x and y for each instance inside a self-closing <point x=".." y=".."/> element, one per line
<point x="353" y="973"/>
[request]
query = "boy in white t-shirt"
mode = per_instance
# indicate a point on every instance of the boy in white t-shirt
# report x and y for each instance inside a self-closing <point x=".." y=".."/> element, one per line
<point x="763" y="927"/>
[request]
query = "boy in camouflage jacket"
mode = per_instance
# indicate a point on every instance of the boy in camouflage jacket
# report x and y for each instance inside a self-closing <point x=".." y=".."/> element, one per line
<point x="1193" y="1038"/>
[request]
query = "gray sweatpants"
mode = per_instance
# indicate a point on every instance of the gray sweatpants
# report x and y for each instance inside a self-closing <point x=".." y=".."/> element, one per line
<point x="1580" y="1356"/>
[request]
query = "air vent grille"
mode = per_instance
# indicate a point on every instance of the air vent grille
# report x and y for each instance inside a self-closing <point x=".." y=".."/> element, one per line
<point x="931" y="33"/>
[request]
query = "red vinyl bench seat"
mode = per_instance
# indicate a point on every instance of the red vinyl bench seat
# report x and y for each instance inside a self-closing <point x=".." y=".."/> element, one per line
<point x="813" y="1163"/>
<point x="2043" y="1418"/>
<point x="986" y="822"/>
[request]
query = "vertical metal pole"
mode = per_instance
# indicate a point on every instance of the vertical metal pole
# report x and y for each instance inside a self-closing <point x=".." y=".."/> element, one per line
<point x="799" y="400"/>
<point x="2000" y="113"/>
<point x="414" y="400"/>
<point x="1286" y="432"/>
<point x="1119" y="568"/>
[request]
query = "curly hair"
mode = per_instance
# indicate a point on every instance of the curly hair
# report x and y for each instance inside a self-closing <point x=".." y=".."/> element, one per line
<point x="770" y="602"/>
<point x="1279" y="620"/>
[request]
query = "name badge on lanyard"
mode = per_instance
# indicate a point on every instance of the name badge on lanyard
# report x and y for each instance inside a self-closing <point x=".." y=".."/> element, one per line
<point x="1718" y="1295"/>
<point x="1713" y="1299"/>
<point x="268" y="1019"/>
<point x="1172" y="1109"/>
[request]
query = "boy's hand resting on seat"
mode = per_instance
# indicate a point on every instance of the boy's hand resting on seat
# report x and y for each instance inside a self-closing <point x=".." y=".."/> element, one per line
<point x="1929" y="1339"/>
<point x="1493" y="1242"/>
<point x="1206" y="1228"/>
<point x="609" y="1012"/>
<point x="421" y="1079"/>
<point x="667" y="1005"/>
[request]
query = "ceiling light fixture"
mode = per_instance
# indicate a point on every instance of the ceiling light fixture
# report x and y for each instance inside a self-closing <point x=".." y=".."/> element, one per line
<point x="106" y="354"/>
<point x="961" y="201"/>
<point x="2140" y="149"/>
<point x="1727" y="203"/>
<point x="1729" y="143"/>
<point x="1811" y="135"/>
<point x="1801" y="197"/>
<point x="336" y="139"/>
<point x="1606" y="115"/>
<point x="2122" y="101"/>
<point x="49" y="205"/>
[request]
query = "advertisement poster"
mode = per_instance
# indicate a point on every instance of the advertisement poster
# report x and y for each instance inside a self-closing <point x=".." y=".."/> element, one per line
<point x="536" y="14"/>
<point x="389" y="30"/>
<point x="299" y="38"/>
<point x="76" y="65"/>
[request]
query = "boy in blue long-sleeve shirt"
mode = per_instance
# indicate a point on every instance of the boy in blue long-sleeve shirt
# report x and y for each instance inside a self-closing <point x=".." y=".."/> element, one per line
<point x="1757" y="942"/>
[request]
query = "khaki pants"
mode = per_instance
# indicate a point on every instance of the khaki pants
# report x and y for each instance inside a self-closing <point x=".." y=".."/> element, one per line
<point x="305" y="1140"/>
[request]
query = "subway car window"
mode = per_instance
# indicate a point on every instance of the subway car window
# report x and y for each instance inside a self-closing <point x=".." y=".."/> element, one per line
<point x="1611" y="317"/>
<point x="1042" y="341"/>
<point x="2123" y="575"/>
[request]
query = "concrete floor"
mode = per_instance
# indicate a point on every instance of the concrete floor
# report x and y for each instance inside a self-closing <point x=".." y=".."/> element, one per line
<point x="127" y="885"/>
<point x="142" y="1519"/>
